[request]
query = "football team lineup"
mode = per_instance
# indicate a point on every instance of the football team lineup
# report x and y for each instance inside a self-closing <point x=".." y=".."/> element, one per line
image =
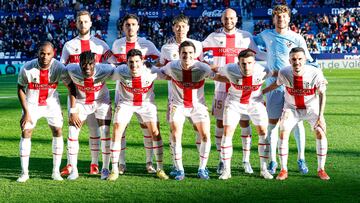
<point x="295" y="92"/>
<point x="231" y="116"/>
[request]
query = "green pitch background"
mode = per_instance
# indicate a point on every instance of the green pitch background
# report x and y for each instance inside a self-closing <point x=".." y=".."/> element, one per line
<point x="342" y="116"/>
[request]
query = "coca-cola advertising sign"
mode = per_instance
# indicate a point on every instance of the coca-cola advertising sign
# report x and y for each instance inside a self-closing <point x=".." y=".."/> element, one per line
<point x="212" y="14"/>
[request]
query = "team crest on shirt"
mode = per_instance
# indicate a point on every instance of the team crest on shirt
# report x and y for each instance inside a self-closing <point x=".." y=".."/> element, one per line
<point x="76" y="50"/>
<point x="174" y="55"/>
<point x="307" y="85"/>
<point x="288" y="44"/>
<point x="34" y="79"/>
<point x="221" y="42"/>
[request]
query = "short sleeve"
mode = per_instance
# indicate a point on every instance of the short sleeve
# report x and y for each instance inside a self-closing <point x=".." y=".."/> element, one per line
<point x="118" y="72"/>
<point x="280" y="79"/>
<point x="22" y="79"/>
<point x="321" y="82"/>
<point x="64" y="55"/>
<point x="65" y="77"/>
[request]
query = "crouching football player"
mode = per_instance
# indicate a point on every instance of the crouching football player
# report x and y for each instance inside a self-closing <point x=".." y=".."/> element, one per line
<point x="302" y="103"/>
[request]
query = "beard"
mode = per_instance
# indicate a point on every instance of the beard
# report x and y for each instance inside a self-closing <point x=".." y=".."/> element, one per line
<point x="84" y="32"/>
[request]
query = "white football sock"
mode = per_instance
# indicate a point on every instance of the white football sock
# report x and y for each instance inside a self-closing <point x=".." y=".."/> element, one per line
<point x="321" y="150"/>
<point x="57" y="150"/>
<point x="25" y="148"/>
<point x="219" y="132"/>
<point x="158" y="151"/>
<point x="263" y="149"/>
<point x="177" y="154"/>
<point x="115" y="152"/>
<point x="246" y="143"/>
<point x="204" y="152"/>
<point x="273" y="136"/>
<point x="171" y="145"/>
<point x="148" y="145"/>
<point x="94" y="138"/>
<point x="299" y="134"/>
<point x="284" y="152"/>
<point x="123" y="150"/>
<point x="105" y="145"/>
<point x="73" y="146"/>
<point x="226" y="151"/>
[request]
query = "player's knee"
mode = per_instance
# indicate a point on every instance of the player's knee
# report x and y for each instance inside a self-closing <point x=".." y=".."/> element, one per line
<point x="273" y="121"/>
<point x="262" y="131"/>
<point x="57" y="132"/>
<point x="320" y="134"/>
<point x="155" y="132"/>
<point x="219" y="124"/>
<point x="244" y="123"/>
<point x="283" y="134"/>
<point x="142" y="125"/>
<point x="26" y="133"/>
<point x="195" y="128"/>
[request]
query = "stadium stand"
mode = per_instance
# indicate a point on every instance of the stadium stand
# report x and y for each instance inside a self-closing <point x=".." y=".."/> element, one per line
<point x="25" y="23"/>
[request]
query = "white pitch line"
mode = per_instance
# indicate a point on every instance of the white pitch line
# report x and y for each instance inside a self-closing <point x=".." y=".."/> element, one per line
<point x="8" y="97"/>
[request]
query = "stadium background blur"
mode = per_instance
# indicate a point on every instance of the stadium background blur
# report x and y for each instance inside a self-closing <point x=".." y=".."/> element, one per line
<point x="331" y="28"/>
<point x="25" y="23"/>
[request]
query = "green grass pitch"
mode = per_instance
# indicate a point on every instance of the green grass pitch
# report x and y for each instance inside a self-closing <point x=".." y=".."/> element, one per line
<point x="343" y="162"/>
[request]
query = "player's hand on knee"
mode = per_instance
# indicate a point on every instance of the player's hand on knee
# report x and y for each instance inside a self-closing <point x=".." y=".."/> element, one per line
<point x="24" y="119"/>
<point x="321" y="123"/>
<point x="75" y="120"/>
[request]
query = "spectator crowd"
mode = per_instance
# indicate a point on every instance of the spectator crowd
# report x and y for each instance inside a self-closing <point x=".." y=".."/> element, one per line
<point x="24" y="23"/>
<point x="30" y="22"/>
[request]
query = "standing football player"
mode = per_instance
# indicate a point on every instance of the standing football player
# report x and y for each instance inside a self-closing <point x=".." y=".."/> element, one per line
<point x="278" y="43"/>
<point x="224" y="45"/>
<point x="37" y="83"/>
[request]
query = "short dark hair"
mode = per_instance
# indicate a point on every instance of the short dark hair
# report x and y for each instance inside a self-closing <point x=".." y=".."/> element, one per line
<point x="82" y="13"/>
<point x="133" y="52"/>
<point x="297" y="49"/>
<point x="46" y="43"/>
<point x="87" y="57"/>
<point x="246" y="53"/>
<point x="279" y="9"/>
<point x="129" y="16"/>
<point x="187" y="44"/>
<point x="180" y="18"/>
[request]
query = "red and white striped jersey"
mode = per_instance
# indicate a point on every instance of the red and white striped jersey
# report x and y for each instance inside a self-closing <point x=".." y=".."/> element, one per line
<point x="224" y="48"/>
<point x="134" y="90"/>
<point x="41" y="84"/>
<point x="245" y="89"/>
<point x="187" y="85"/>
<point x="170" y="50"/>
<point x="73" y="48"/>
<point x="300" y="91"/>
<point x="120" y="48"/>
<point x="93" y="89"/>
